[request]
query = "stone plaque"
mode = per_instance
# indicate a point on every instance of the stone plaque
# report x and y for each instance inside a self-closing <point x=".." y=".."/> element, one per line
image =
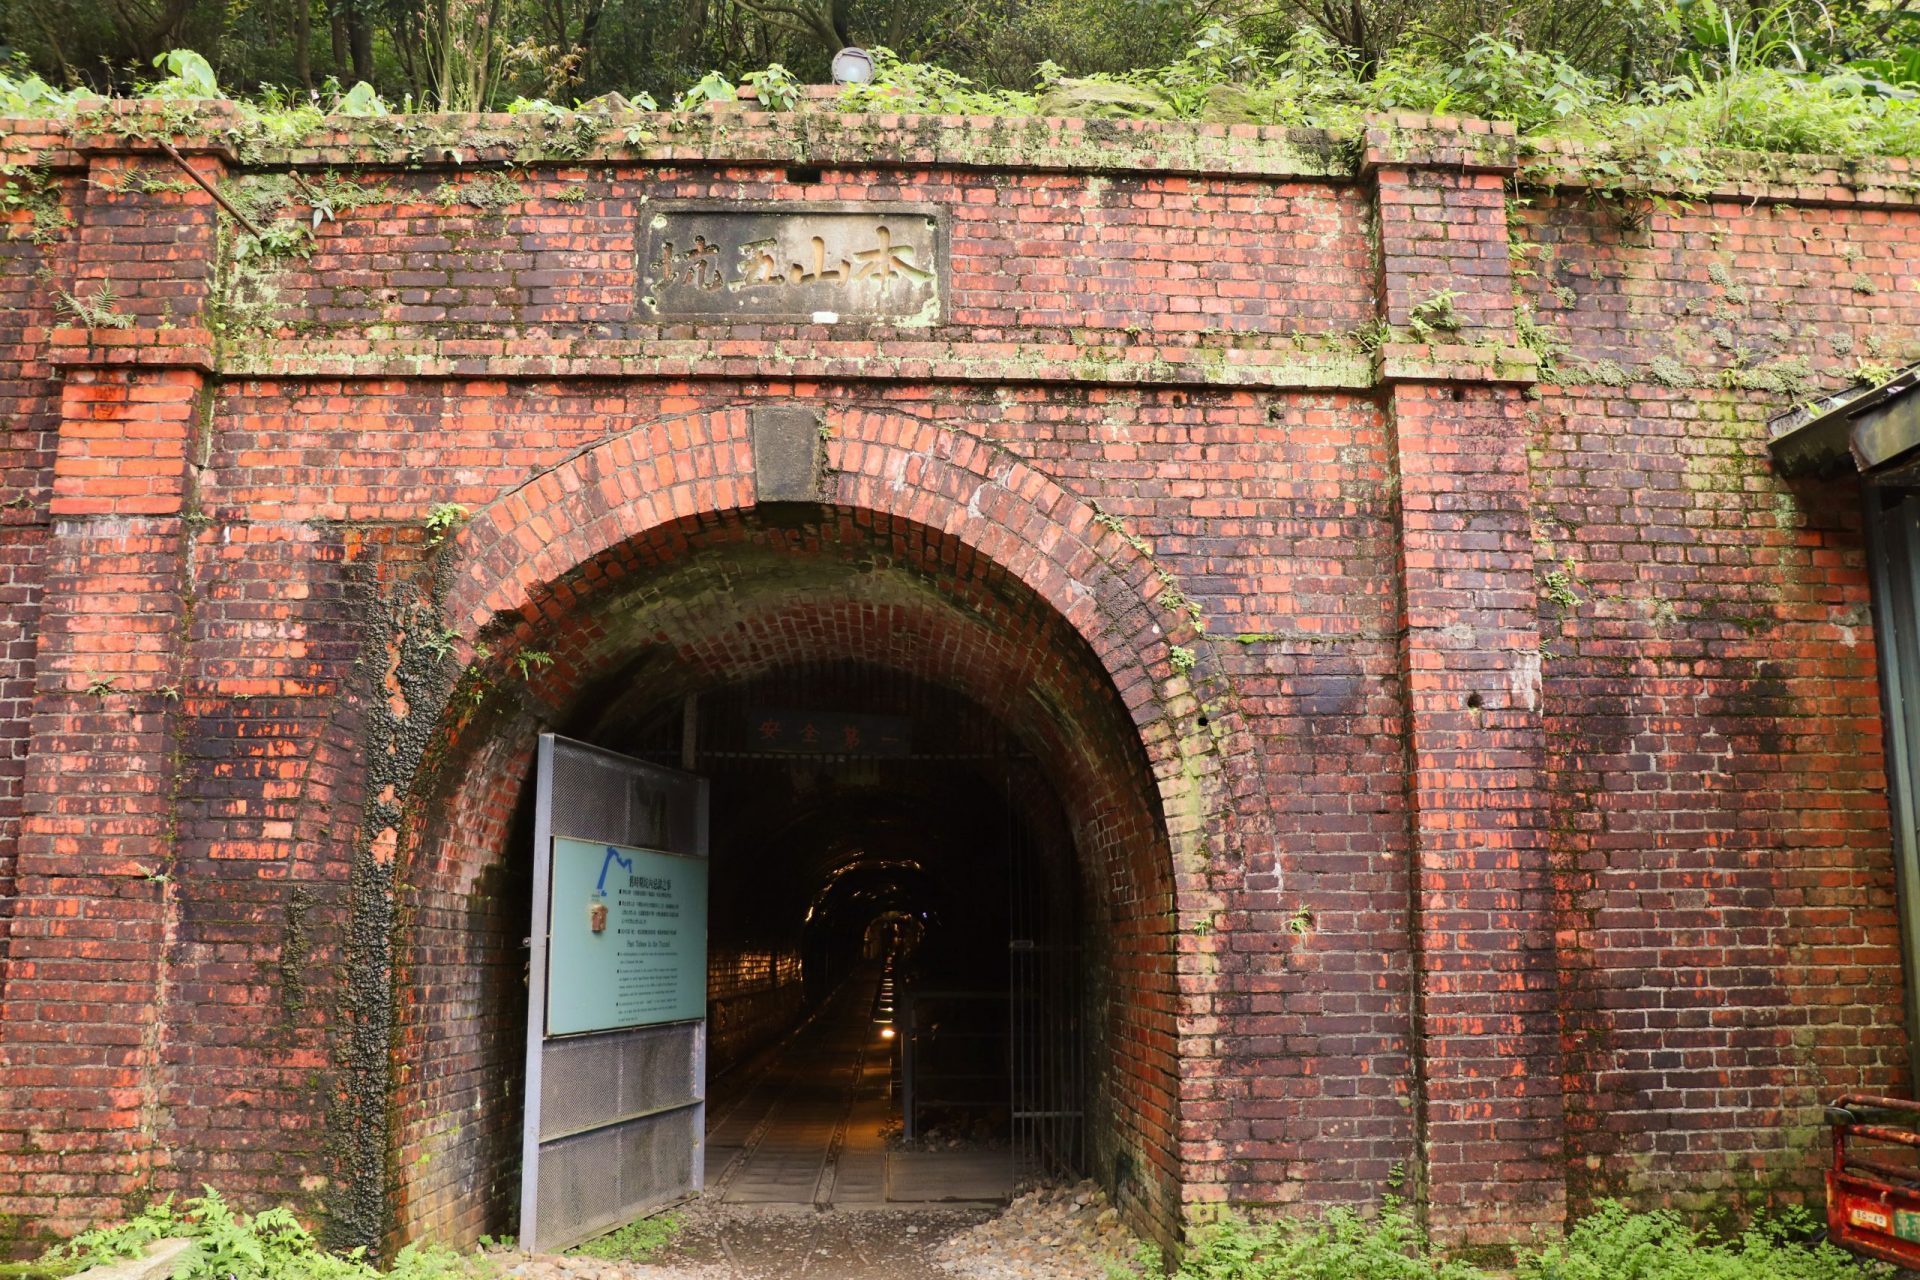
<point x="818" y="264"/>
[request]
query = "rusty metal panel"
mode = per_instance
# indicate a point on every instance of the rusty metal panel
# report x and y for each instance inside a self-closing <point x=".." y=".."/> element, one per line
<point x="813" y="264"/>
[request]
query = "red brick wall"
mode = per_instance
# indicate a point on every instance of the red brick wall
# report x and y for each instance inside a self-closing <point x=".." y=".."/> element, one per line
<point x="1723" y="896"/>
<point x="29" y="416"/>
<point x="1473" y="767"/>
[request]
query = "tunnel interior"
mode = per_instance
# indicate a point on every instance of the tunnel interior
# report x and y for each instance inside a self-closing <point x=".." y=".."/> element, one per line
<point x="917" y="768"/>
<point x="865" y="820"/>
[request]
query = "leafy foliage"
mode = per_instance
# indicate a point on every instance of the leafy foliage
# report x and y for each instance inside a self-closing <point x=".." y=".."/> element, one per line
<point x="1340" y="1246"/>
<point x="774" y="87"/>
<point x="1689" y="74"/>
<point x="444" y="518"/>
<point x="189" y="75"/>
<point x="269" y="1245"/>
<point x="637" y="1241"/>
<point x="100" y="310"/>
<point x="1612" y="1243"/>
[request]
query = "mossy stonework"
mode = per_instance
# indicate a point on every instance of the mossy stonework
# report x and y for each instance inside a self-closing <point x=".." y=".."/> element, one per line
<point x="1470" y="747"/>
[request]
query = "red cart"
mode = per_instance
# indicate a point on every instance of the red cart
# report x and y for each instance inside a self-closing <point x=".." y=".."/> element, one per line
<point x="1873" y="1186"/>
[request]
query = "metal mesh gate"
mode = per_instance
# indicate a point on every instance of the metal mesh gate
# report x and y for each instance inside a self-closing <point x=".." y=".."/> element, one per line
<point x="615" y="1120"/>
<point x="1048" y="1062"/>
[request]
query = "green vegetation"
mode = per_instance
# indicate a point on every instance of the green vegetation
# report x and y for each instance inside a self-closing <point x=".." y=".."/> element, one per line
<point x="636" y="1242"/>
<point x="99" y="310"/>
<point x="1615" y="1244"/>
<point x="1610" y="1244"/>
<point x="444" y="518"/>
<point x="269" y="1245"/>
<point x="1435" y="314"/>
<point x="1652" y="80"/>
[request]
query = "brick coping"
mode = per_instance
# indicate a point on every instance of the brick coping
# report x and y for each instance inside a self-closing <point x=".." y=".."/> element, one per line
<point x="844" y="140"/>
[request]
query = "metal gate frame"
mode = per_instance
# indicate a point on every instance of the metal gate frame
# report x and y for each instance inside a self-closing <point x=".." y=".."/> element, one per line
<point x="1893" y="546"/>
<point x="596" y="1158"/>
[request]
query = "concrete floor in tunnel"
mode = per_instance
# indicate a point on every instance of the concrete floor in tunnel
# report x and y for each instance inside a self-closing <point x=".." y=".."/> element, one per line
<point x="808" y="1125"/>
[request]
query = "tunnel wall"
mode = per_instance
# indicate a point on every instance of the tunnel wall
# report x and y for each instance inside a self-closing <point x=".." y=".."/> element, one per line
<point x="753" y="998"/>
<point x="1536" y="840"/>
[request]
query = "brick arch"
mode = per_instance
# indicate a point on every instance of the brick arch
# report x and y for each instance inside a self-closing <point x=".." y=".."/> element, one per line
<point x="1000" y="508"/>
<point x="533" y="567"/>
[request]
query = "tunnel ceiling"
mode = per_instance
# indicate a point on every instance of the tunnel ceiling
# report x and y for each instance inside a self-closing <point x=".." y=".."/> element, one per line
<point x="735" y="602"/>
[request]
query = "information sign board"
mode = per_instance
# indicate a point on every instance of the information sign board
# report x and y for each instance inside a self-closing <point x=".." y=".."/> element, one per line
<point x="626" y="938"/>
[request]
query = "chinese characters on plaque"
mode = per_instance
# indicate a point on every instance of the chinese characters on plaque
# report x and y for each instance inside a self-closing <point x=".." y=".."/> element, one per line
<point x="816" y="265"/>
<point x="829" y="733"/>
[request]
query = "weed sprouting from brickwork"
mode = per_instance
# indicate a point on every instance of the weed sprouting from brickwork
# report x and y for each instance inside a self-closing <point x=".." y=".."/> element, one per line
<point x="488" y="195"/>
<point x="1434" y="314"/>
<point x="98" y="310"/>
<point x="34" y="192"/>
<point x="443" y="518"/>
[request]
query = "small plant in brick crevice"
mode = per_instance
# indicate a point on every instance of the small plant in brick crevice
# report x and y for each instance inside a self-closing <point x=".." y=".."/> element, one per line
<point x="102" y="686"/>
<point x="1547" y="346"/>
<point x="528" y="661"/>
<point x="1372" y="335"/>
<point x="100" y="310"/>
<point x="440" y="643"/>
<point x="442" y="519"/>
<point x="32" y="191"/>
<point x="269" y="1245"/>
<point x="1557" y="585"/>
<point x="1434" y="315"/>
<point x="488" y="195"/>
<point x="1182" y="659"/>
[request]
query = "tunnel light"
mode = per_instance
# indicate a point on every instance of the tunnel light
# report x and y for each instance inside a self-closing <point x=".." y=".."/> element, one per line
<point x="886" y="1033"/>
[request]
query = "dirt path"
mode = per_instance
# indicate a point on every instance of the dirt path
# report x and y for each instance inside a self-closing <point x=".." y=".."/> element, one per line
<point x="738" y="1242"/>
<point x="1062" y="1233"/>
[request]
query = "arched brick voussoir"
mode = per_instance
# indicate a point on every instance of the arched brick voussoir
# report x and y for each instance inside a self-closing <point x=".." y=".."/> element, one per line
<point x="535" y="534"/>
<point x="1004" y="510"/>
<point x="1040" y="533"/>
<point x="518" y="551"/>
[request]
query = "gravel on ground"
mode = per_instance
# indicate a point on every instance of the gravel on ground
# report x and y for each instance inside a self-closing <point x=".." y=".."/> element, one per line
<point x="1050" y="1233"/>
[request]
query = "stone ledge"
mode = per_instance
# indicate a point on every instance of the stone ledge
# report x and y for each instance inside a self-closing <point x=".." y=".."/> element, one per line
<point x="1744" y="175"/>
<point x="1438" y="362"/>
<point x="1410" y="141"/>
<point x="1245" y="368"/>
<point x="181" y="348"/>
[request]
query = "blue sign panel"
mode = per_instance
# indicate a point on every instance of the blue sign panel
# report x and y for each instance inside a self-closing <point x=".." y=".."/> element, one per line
<point x="626" y="938"/>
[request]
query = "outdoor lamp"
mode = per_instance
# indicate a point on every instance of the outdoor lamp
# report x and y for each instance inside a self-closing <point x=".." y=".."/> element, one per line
<point x="852" y="66"/>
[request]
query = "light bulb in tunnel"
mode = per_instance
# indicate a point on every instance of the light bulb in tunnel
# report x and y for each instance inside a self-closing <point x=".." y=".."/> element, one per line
<point x="886" y="1033"/>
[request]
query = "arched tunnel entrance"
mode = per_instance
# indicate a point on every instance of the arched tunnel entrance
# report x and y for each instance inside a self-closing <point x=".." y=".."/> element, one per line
<point x="890" y="865"/>
<point x="931" y="815"/>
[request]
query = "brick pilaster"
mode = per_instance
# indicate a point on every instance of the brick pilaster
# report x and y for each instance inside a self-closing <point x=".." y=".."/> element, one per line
<point x="87" y="1005"/>
<point x="1486" y="1032"/>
